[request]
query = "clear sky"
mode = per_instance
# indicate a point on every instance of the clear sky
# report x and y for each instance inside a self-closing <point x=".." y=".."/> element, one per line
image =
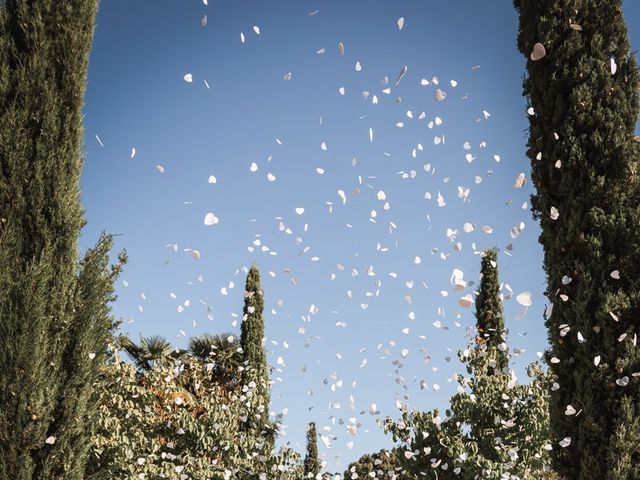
<point x="359" y="305"/>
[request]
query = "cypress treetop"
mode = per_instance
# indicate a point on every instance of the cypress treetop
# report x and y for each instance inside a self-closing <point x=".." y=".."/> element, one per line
<point x="252" y="331"/>
<point x="255" y="376"/>
<point x="311" y="462"/>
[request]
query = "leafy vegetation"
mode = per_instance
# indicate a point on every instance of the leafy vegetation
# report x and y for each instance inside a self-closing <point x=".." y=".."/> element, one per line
<point x="495" y="427"/>
<point x="187" y="413"/>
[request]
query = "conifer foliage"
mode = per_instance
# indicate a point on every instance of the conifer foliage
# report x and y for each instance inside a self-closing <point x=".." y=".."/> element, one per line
<point x="54" y="314"/>
<point x="311" y="462"/>
<point x="252" y="330"/>
<point x="489" y="317"/>
<point x="256" y="382"/>
<point x="583" y="87"/>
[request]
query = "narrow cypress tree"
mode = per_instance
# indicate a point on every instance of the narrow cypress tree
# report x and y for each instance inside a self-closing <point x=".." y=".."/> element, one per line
<point x="252" y="337"/>
<point x="255" y="376"/>
<point x="311" y="462"/>
<point x="584" y="89"/>
<point x="252" y="331"/>
<point x="489" y="316"/>
<point x="54" y="318"/>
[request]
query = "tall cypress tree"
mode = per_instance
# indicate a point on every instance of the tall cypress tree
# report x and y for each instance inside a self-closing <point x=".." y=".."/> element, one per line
<point x="54" y="319"/>
<point x="489" y="316"/>
<point x="255" y="375"/>
<point x="252" y="331"/>
<point x="311" y="462"/>
<point x="583" y="86"/>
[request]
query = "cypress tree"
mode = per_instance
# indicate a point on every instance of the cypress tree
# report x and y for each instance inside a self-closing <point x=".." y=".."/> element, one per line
<point x="252" y="337"/>
<point x="255" y="375"/>
<point x="489" y="316"/>
<point x="252" y="334"/>
<point x="54" y="318"/>
<point x="311" y="462"/>
<point x="583" y="86"/>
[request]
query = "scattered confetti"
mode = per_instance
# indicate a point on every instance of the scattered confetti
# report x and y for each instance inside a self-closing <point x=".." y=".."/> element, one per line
<point x="538" y="52"/>
<point x="524" y="299"/>
<point x="210" y="219"/>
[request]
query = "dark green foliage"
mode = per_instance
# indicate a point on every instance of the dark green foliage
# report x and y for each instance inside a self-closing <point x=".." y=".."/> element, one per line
<point x="223" y="352"/>
<point x="53" y="311"/>
<point x="584" y="119"/>
<point x="384" y="465"/>
<point x="489" y="317"/>
<point x="255" y="374"/>
<point x="252" y="330"/>
<point x="75" y="415"/>
<point x="256" y="369"/>
<point x="311" y="462"/>
<point x="150" y="351"/>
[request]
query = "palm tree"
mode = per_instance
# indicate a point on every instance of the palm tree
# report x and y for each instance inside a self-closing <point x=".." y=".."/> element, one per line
<point x="150" y="351"/>
<point x="221" y="350"/>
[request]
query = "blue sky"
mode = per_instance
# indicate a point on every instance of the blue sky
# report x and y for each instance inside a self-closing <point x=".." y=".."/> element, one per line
<point x="343" y="284"/>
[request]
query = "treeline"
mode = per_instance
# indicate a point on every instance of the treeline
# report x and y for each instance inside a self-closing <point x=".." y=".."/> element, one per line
<point x="203" y="412"/>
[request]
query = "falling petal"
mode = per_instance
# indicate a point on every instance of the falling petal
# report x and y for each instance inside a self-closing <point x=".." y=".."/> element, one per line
<point x="520" y="182"/>
<point x="538" y="52"/>
<point x="210" y="219"/>
<point x="466" y="301"/>
<point x="524" y="299"/>
<point x="401" y="75"/>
